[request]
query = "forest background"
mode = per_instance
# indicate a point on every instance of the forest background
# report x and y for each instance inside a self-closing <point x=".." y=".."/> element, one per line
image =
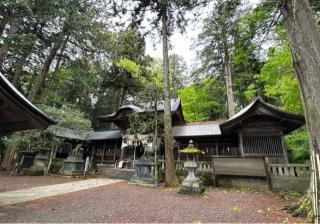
<point x="77" y="62"/>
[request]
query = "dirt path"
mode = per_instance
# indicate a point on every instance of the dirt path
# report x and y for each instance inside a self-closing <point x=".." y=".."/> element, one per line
<point x="25" y="195"/>
<point x="11" y="183"/>
<point x="125" y="203"/>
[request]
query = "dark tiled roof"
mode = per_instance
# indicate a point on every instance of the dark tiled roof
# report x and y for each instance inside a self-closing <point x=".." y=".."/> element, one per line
<point x="105" y="135"/>
<point x="259" y="107"/>
<point x="143" y="107"/>
<point x="68" y="133"/>
<point x="197" y="129"/>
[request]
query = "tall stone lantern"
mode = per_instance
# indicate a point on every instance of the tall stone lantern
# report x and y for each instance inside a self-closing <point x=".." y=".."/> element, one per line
<point x="191" y="184"/>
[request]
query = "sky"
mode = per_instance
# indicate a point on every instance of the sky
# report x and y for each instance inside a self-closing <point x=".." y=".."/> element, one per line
<point x="180" y="43"/>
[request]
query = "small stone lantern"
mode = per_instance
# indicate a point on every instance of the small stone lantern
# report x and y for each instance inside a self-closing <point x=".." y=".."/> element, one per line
<point x="191" y="184"/>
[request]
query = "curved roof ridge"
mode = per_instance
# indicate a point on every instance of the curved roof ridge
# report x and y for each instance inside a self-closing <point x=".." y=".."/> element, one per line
<point x="175" y="103"/>
<point x="241" y="115"/>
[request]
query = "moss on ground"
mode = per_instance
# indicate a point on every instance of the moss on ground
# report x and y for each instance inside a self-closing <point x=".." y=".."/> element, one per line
<point x="303" y="208"/>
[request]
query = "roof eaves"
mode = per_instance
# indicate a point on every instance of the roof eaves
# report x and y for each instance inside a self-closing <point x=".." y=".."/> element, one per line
<point x="24" y="100"/>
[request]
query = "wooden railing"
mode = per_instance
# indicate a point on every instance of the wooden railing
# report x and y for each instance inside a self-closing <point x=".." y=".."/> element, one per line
<point x="290" y="170"/>
<point x="205" y="166"/>
<point x="202" y="166"/>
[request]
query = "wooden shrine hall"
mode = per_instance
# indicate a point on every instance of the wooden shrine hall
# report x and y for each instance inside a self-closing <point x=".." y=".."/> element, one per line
<point x="257" y="131"/>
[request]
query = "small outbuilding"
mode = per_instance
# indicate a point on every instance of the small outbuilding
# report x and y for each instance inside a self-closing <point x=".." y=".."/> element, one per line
<point x="256" y="131"/>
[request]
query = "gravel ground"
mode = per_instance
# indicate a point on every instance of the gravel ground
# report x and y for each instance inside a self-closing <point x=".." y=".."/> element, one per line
<point x="125" y="203"/>
<point x="10" y="183"/>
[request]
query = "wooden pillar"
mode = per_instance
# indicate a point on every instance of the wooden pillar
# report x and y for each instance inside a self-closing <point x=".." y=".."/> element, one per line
<point x="92" y="158"/>
<point x="284" y="149"/>
<point x="241" y="144"/>
<point x="103" y="153"/>
<point x="115" y="152"/>
<point x="217" y="148"/>
<point x="179" y="153"/>
<point x="94" y="151"/>
<point x="134" y="155"/>
<point x="121" y="154"/>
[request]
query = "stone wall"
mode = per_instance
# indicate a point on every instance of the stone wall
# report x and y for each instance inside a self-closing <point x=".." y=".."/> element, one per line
<point x="281" y="177"/>
<point x="289" y="177"/>
<point x="39" y="165"/>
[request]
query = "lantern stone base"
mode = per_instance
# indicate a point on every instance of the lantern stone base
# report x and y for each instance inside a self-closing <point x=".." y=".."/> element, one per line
<point x="40" y="163"/>
<point x="191" y="184"/>
<point x="191" y="187"/>
<point x="72" y="166"/>
<point x="144" y="173"/>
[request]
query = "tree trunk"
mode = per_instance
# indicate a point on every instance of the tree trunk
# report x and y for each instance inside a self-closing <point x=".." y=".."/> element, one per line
<point x="171" y="179"/>
<point x="18" y="68"/>
<point x="304" y="39"/>
<point x="228" y="77"/>
<point x="227" y="68"/>
<point x="7" y="162"/>
<point x="121" y="97"/>
<point x="52" y="155"/>
<point x="41" y="77"/>
<point x="5" y="47"/>
<point x="56" y="69"/>
<point x="2" y="26"/>
<point x="2" y="150"/>
<point x="155" y="141"/>
<point x="115" y="101"/>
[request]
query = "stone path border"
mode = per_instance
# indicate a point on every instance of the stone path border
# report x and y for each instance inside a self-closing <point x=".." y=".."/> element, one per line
<point x="18" y="196"/>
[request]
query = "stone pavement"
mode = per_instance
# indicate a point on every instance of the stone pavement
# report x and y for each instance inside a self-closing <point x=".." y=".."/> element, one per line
<point x="18" y="196"/>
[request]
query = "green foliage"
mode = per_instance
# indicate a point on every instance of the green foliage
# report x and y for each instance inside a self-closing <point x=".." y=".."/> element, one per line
<point x="148" y="97"/>
<point x="217" y="37"/>
<point x="128" y="65"/>
<point x="177" y="72"/>
<point x="77" y="83"/>
<point x="175" y="10"/>
<point x="144" y="123"/>
<point x="279" y="79"/>
<point x="65" y="116"/>
<point x="298" y="144"/>
<point x="204" y="100"/>
<point x="68" y="117"/>
<point x="228" y="37"/>
<point x="278" y="84"/>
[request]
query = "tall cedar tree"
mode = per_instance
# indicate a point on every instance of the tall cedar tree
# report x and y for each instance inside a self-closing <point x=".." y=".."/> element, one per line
<point x="217" y="40"/>
<point x="304" y="39"/>
<point x="171" y="14"/>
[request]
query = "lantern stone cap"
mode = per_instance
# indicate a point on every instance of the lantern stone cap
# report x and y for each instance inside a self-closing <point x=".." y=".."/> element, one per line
<point x="191" y="149"/>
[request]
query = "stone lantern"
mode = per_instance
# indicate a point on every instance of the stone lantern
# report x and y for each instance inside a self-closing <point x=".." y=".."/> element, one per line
<point x="191" y="184"/>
